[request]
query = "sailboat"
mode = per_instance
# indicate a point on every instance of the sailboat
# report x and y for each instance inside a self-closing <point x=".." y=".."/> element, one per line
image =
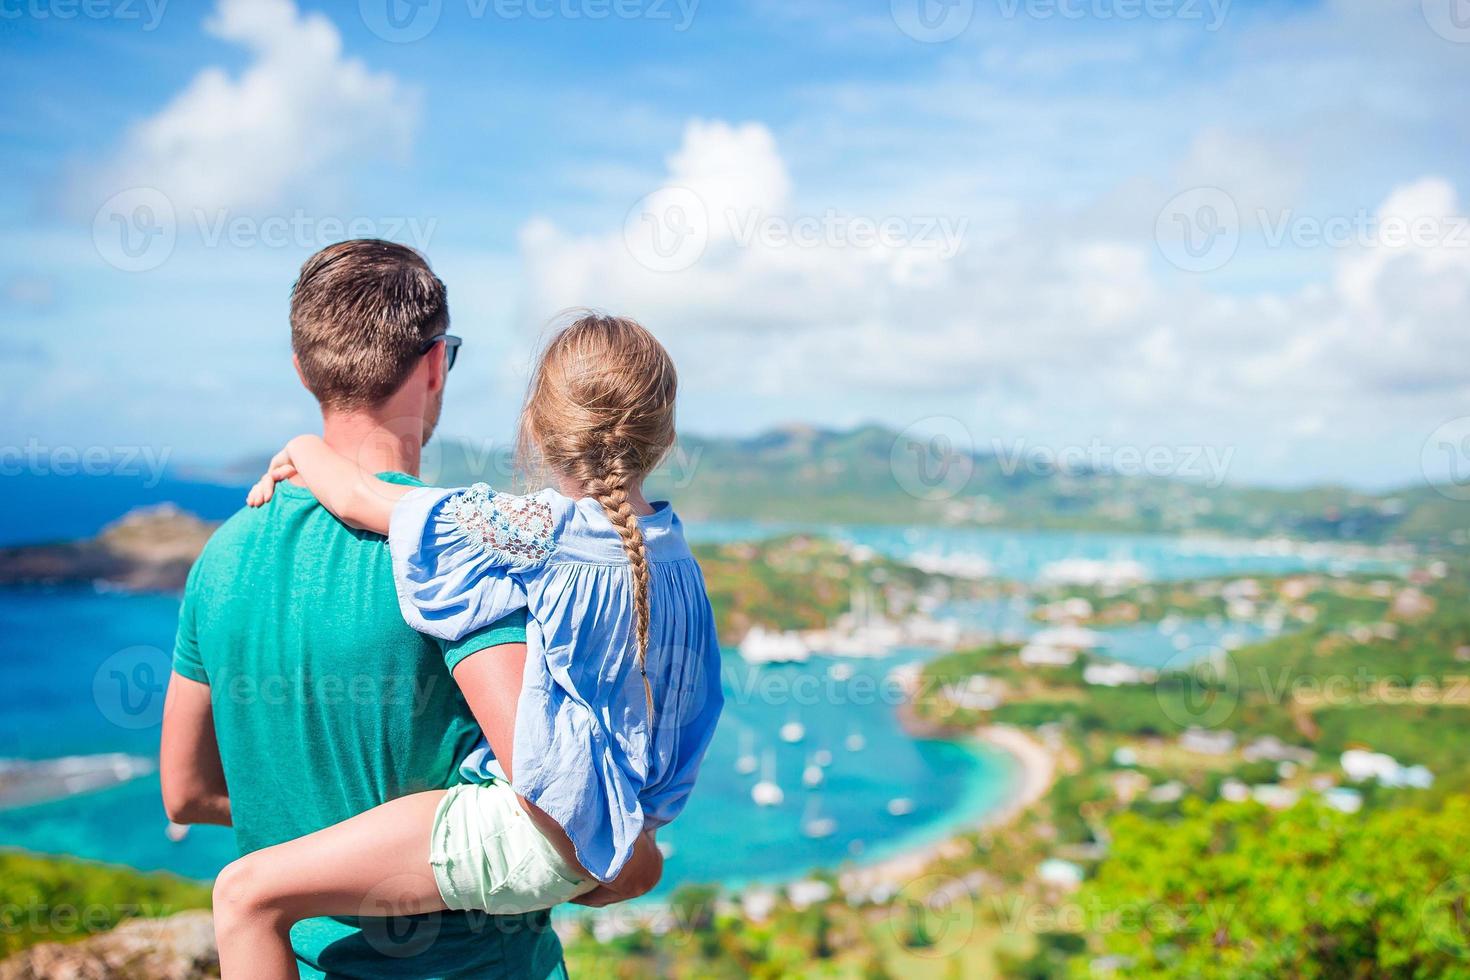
<point x="812" y="775"/>
<point x="813" y="824"/>
<point x="767" y="792"/>
<point x="855" y="742"/>
<point x="746" y="763"/>
<point x="793" y="731"/>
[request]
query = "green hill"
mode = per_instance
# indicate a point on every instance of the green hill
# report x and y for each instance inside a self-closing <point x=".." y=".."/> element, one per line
<point x="867" y="475"/>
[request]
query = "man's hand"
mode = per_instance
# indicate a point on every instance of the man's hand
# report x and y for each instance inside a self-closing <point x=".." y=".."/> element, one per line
<point x="644" y="869"/>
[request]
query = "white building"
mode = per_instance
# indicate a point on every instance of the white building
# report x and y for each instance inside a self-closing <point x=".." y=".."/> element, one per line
<point x="1115" y="673"/>
<point x="763" y="646"/>
<point x="1061" y="874"/>
<point x="1059" y="646"/>
<point x="1360" y="765"/>
<point x="1269" y="748"/>
<point x="1207" y="741"/>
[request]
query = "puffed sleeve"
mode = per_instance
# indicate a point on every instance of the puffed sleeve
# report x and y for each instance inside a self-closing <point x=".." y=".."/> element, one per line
<point x="460" y="556"/>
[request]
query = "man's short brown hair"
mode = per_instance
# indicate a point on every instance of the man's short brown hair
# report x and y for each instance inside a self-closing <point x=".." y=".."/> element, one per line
<point x="361" y="313"/>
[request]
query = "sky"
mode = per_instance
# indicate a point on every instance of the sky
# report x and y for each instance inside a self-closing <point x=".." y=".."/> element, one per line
<point x="1102" y="227"/>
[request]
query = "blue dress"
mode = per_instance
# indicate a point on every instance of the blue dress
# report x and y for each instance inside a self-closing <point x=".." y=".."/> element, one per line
<point x="585" y="751"/>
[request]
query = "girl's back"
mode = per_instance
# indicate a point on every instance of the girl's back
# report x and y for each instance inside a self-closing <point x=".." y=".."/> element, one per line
<point x="601" y="752"/>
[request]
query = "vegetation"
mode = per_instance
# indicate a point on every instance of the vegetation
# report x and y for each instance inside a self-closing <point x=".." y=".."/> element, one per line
<point x="47" y="900"/>
<point x="1232" y="890"/>
<point x="1180" y="880"/>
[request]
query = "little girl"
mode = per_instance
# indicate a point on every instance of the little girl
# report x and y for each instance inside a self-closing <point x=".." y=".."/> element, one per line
<point x="622" y="677"/>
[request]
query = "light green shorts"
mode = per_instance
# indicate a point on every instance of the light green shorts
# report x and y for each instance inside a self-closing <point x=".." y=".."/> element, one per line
<point x="488" y="855"/>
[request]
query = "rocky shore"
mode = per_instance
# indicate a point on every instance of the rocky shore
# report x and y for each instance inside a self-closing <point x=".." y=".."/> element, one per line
<point x="178" y="947"/>
<point x="146" y="550"/>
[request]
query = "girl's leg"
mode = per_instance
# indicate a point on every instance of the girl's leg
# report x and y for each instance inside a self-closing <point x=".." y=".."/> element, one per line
<point x="375" y="864"/>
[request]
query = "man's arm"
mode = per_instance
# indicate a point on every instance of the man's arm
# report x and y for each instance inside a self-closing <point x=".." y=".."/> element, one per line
<point x="491" y="682"/>
<point x="189" y="767"/>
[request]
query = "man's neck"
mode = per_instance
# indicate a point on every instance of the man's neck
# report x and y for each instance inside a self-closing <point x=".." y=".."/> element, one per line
<point x="375" y="443"/>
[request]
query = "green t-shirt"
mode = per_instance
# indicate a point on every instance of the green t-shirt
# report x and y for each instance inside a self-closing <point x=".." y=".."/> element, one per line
<point x="327" y="704"/>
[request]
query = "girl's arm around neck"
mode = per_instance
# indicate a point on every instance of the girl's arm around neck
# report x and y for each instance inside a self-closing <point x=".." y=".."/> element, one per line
<point x="356" y="497"/>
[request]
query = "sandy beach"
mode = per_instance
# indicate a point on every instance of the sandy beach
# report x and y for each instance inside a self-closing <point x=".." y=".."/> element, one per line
<point x="1037" y="767"/>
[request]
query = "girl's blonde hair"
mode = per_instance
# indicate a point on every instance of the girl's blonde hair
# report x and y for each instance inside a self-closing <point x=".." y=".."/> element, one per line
<point x="600" y="413"/>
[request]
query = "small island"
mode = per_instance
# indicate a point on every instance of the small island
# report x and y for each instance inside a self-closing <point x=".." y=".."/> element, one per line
<point x="147" y="550"/>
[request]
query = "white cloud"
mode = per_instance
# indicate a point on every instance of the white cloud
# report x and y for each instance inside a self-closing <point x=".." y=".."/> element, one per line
<point x="1051" y="315"/>
<point x="288" y="124"/>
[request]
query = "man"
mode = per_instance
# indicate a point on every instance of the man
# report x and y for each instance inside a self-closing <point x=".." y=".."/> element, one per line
<point x="299" y="696"/>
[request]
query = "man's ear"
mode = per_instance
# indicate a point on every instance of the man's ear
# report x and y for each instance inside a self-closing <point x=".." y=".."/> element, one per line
<point x="296" y="363"/>
<point x="434" y="364"/>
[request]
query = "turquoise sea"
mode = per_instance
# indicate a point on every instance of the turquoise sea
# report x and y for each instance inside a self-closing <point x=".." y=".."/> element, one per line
<point x="84" y="673"/>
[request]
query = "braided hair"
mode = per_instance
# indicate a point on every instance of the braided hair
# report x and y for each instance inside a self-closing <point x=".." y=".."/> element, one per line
<point x="600" y="414"/>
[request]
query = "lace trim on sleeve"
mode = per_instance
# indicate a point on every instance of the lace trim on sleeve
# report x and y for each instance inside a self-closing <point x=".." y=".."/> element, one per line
<point x="519" y="529"/>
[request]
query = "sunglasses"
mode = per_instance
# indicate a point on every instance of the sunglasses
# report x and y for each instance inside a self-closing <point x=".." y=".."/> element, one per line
<point x="451" y="349"/>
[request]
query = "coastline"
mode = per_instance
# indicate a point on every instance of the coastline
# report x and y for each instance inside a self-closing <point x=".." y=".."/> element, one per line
<point x="1036" y="772"/>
